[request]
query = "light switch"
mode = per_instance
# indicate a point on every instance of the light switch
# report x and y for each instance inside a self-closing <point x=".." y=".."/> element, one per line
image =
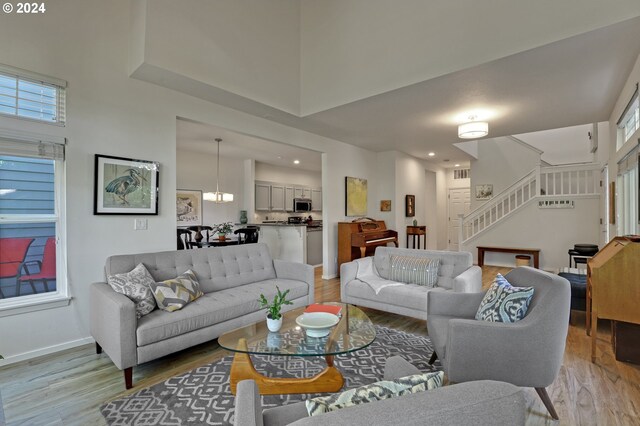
<point x="140" y="225"/>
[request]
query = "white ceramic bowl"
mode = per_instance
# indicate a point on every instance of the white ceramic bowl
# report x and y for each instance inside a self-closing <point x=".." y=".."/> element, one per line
<point x="317" y="324"/>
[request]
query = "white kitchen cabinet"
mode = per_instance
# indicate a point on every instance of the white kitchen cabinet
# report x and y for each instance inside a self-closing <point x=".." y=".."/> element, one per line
<point x="301" y="192"/>
<point x="277" y="198"/>
<point x="316" y="200"/>
<point x="263" y="196"/>
<point x="289" y="195"/>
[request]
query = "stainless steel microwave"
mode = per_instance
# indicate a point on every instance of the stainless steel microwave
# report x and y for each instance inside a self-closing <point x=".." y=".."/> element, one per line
<point x="301" y="205"/>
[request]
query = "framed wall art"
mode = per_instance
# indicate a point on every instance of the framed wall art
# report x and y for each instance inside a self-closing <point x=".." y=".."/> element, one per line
<point x="484" y="192"/>
<point x="410" y="205"/>
<point x="385" y="205"/>
<point x="355" y="197"/>
<point x="188" y="207"/>
<point x="125" y="186"/>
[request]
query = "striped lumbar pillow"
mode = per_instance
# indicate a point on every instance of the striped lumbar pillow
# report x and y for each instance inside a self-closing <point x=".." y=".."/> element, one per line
<point x="414" y="270"/>
<point x="504" y="303"/>
<point x="176" y="293"/>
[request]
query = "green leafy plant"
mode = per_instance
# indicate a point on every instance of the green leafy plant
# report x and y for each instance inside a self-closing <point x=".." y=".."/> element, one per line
<point x="274" y="307"/>
<point x="223" y="228"/>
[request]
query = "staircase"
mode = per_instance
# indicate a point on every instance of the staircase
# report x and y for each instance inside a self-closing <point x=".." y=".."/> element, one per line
<point x="540" y="183"/>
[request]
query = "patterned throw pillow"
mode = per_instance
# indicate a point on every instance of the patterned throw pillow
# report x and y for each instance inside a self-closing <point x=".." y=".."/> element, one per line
<point x="136" y="285"/>
<point x="504" y="303"/>
<point x="375" y="392"/>
<point x="414" y="270"/>
<point x="175" y="294"/>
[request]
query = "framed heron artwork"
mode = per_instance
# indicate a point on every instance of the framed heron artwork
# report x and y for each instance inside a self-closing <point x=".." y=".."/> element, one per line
<point x="125" y="186"/>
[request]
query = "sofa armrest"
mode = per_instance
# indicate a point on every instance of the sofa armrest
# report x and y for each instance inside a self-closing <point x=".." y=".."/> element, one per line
<point x="457" y="305"/>
<point x="248" y="410"/>
<point x="470" y="281"/>
<point x="296" y="271"/>
<point x="113" y="324"/>
<point x="348" y="272"/>
<point x="396" y="367"/>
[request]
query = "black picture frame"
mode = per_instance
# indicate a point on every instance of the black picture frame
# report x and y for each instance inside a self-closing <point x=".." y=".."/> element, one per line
<point x="410" y="205"/>
<point x="125" y="186"/>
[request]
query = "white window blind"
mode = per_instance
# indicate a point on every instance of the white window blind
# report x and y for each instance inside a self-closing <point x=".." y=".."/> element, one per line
<point x="29" y="95"/>
<point x="32" y="145"/>
<point x="629" y="121"/>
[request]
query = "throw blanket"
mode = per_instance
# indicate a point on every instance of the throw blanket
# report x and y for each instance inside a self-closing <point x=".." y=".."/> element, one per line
<point x="368" y="274"/>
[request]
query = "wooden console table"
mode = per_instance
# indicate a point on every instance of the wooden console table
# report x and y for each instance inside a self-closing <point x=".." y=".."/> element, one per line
<point x="535" y="252"/>
<point x="417" y="231"/>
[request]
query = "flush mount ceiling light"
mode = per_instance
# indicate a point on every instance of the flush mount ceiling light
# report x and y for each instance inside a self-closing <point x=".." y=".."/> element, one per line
<point x="218" y="197"/>
<point x="296" y="161"/>
<point x="431" y="154"/>
<point x="473" y="129"/>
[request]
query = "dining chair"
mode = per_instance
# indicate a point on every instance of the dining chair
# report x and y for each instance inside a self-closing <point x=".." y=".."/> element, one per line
<point x="198" y="230"/>
<point x="46" y="269"/>
<point x="247" y="235"/>
<point x="184" y="238"/>
<point x="13" y="252"/>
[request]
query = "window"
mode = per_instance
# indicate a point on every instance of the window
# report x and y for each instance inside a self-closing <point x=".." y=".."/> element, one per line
<point x="28" y="95"/>
<point x="629" y="121"/>
<point x="627" y="194"/>
<point x="461" y="174"/>
<point x="32" y="266"/>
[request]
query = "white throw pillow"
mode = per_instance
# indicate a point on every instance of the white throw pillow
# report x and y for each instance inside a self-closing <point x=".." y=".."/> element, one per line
<point x="136" y="285"/>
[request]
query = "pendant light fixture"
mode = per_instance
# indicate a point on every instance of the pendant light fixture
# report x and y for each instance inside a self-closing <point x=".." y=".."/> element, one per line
<point x="218" y="197"/>
<point x="473" y="129"/>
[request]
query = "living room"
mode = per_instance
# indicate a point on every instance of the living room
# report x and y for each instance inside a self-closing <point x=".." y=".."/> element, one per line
<point x="369" y="85"/>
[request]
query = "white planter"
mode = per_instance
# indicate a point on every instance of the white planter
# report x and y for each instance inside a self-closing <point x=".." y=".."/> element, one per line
<point x="274" y="325"/>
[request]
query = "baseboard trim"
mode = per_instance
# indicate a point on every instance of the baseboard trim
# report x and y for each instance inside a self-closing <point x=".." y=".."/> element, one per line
<point x="329" y="277"/>
<point x="25" y="356"/>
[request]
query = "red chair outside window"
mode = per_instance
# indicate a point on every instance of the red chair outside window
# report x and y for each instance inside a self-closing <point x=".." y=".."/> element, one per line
<point x="12" y="254"/>
<point x="47" y="269"/>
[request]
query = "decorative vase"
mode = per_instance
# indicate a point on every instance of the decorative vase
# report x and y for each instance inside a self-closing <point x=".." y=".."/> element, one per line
<point x="274" y="325"/>
<point x="415" y="222"/>
<point x="243" y="217"/>
<point x="222" y="237"/>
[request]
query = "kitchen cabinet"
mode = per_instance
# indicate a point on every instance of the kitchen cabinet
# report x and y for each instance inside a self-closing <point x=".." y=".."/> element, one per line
<point x="277" y="198"/>
<point x="263" y="197"/>
<point x="302" y="192"/>
<point x="316" y="200"/>
<point x="289" y="195"/>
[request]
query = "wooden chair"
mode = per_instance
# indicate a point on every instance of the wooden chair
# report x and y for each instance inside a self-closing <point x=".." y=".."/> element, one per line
<point x="13" y="252"/>
<point x="247" y="235"/>
<point x="184" y="239"/>
<point x="46" y="269"/>
<point x="198" y="230"/>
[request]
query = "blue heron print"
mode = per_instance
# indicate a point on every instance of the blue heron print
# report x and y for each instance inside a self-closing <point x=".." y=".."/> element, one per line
<point x="124" y="185"/>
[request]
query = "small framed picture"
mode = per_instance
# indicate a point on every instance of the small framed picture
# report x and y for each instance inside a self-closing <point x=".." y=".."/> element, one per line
<point x="188" y="207"/>
<point x="125" y="186"/>
<point x="484" y="192"/>
<point x="385" y="205"/>
<point x="410" y="205"/>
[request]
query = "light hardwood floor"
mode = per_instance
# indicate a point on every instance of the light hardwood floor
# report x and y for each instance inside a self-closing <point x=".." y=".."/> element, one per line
<point x="67" y="388"/>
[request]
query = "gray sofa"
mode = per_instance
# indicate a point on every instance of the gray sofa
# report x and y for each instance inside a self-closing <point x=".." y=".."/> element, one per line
<point x="456" y="274"/>
<point x="479" y="403"/>
<point x="232" y="279"/>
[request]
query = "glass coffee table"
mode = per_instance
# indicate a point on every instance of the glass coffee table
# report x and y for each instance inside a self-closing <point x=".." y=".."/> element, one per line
<point x="354" y="331"/>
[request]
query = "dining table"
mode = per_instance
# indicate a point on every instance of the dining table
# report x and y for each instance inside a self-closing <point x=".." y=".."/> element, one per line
<point x="215" y="242"/>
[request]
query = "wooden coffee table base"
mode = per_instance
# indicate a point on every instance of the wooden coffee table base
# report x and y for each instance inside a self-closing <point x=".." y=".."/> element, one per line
<point x="329" y="380"/>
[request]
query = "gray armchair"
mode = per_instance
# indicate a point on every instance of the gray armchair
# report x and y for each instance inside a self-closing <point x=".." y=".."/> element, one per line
<point x="467" y="404"/>
<point x="527" y="353"/>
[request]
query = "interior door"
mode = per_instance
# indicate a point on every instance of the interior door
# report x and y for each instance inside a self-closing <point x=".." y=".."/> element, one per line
<point x="459" y="203"/>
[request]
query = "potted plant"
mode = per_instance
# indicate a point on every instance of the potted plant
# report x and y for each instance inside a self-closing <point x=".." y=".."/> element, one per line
<point x="223" y="229"/>
<point x="274" y="316"/>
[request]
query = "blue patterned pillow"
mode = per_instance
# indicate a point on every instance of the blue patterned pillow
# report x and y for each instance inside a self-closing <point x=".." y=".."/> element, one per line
<point x="504" y="303"/>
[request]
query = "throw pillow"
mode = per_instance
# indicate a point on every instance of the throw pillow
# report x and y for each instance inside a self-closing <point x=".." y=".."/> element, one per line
<point x="504" y="303"/>
<point x="136" y="285"/>
<point x="414" y="270"/>
<point x="175" y="294"/>
<point x="375" y="392"/>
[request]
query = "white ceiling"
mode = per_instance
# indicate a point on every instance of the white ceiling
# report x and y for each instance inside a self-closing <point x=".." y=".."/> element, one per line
<point x="199" y="137"/>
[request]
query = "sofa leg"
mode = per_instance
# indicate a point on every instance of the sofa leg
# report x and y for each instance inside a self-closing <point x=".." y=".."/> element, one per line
<point x="544" y="396"/>
<point x="434" y="357"/>
<point x="128" y="377"/>
<point x="98" y="348"/>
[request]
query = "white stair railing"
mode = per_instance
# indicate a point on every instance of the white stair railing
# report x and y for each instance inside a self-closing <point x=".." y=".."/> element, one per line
<point x="547" y="182"/>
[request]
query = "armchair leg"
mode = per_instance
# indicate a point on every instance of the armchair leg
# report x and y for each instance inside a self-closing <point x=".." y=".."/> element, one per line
<point x="544" y="396"/>
<point x="128" y="377"/>
<point x="98" y="348"/>
<point x="434" y="357"/>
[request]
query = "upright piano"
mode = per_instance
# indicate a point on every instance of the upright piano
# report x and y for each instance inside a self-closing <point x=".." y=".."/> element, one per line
<point x="361" y="237"/>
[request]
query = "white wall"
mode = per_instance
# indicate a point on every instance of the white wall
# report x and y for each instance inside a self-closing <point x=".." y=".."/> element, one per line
<point x="553" y="231"/>
<point x="562" y="146"/>
<point x="110" y="113"/>
<point x="431" y="209"/>
<point x="501" y="162"/>
<point x="296" y="176"/>
<point x="197" y="170"/>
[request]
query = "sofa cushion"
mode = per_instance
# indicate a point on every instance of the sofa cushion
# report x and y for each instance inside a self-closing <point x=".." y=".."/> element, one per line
<point x="414" y="270"/>
<point x="217" y="268"/>
<point x="136" y="285"/>
<point x="452" y="263"/>
<point x="409" y="296"/>
<point x="213" y="308"/>
<point x="172" y="295"/>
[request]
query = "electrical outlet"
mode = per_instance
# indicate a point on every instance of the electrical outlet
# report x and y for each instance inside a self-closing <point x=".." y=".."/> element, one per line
<point x="140" y="224"/>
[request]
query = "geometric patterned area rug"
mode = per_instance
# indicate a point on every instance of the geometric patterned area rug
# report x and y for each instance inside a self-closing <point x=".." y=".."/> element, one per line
<point x="203" y="395"/>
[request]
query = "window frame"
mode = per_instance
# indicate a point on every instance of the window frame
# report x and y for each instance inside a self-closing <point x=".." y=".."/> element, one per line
<point x="60" y="297"/>
<point x="631" y="109"/>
